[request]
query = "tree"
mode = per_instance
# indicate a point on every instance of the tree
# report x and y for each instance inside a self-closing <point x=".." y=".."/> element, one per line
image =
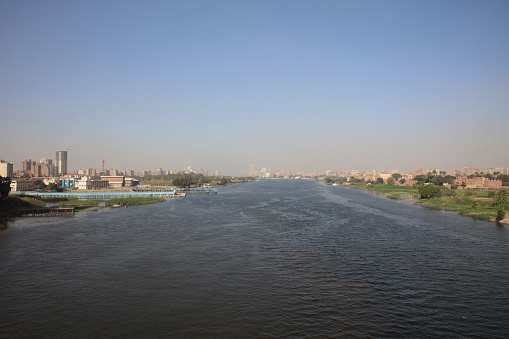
<point x="38" y="185"/>
<point x="183" y="182"/>
<point x="396" y="176"/>
<point x="402" y="181"/>
<point x="390" y="181"/>
<point x="504" y="178"/>
<point x="421" y="179"/>
<point x="55" y="187"/>
<point x="438" y="180"/>
<point x="224" y="181"/>
<point x="379" y="181"/>
<point x="449" y="179"/>
<point x="430" y="192"/>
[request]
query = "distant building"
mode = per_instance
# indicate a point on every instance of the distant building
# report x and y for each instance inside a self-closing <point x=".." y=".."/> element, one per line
<point x="131" y="182"/>
<point x="61" y="162"/>
<point x="85" y="183"/>
<point x="26" y="166"/>
<point x="6" y="169"/>
<point x="409" y="182"/>
<point x="97" y="184"/>
<point x="384" y="176"/>
<point x="40" y="170"/>
<point x="493" y="183"/>
<point x="20" y="185"/>
<point x="114" y="180"/>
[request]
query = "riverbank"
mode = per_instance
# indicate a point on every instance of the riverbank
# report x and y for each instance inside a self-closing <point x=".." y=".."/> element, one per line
<point x="9" y="208"/>
<point x="477" y="204"/>
<point x="132" y="201"/>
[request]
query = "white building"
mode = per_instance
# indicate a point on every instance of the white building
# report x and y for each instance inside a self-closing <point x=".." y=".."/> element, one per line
<point x="85" y="183"/>
<point x="6" y="169"/>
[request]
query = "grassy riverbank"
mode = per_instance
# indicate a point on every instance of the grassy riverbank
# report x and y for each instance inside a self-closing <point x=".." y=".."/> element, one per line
<point x="391" y="191"/>
<point x="9" y="206"/>
<point x="133" y="201"/>
<point x="477" y="204"/>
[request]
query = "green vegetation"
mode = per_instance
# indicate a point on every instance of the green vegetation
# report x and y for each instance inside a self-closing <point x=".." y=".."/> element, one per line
<point x="133" y="201"/>
<point x="193" y="179"/>
<point x="430" y="192"/>
<point x="477" y="204"/>
<point x="183" y="182"/>
<point x="392" y="190"/>
<point x="394" y="197"/>
<point x="500" y="215"/>
<point x="9" y="206"/>
<point x="483" y="205"/>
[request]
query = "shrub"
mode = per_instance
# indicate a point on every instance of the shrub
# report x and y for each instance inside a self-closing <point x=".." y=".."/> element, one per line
<point x="430" y="192"/>
<point x="500" y="215"/>
<point x="449" y="193"/>
<point x="469" y="193"/>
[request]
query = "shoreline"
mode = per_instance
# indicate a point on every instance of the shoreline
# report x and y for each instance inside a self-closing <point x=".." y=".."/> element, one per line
<point x="465" y="208"/>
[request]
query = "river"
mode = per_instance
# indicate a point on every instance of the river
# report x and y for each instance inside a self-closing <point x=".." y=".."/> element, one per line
<point x="271" y="259"/>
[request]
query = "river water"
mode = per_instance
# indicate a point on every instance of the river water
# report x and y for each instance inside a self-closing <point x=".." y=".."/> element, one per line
<point x="273" y="259"/>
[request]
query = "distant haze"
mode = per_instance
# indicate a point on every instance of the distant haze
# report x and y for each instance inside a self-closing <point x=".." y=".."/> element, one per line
<point x="290" y="85"/>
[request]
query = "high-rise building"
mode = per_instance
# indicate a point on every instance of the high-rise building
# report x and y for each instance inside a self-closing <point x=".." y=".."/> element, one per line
<point x="46" y="161"/>
<point x="61" y="162"/>
<point x="26" y="166"/>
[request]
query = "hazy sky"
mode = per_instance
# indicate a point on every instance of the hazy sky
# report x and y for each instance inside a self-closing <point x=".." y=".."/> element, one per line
<point x="301" y="85"/>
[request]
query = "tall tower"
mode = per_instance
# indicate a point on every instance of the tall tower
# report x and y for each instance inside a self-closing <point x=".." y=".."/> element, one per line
<point x="61" y="162"/>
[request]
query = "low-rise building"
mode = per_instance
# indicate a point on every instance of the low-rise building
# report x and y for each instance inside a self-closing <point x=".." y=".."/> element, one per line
<point x="493" y="183"/>
<point x="98" y="184"/>
<point x="85" y="183"/>
<point x="131" y="182"/>
<point x="114" y="180"/>
<point x="20" y="185"/>
<point x="474" y="182"/>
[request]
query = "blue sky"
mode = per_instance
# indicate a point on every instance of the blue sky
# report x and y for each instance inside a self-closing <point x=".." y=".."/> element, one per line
<point x="301" y="85"/>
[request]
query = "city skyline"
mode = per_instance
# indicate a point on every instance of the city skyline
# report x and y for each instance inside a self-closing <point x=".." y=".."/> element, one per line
<point x="45" y="168"/>
<point x="292" y="85"/>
